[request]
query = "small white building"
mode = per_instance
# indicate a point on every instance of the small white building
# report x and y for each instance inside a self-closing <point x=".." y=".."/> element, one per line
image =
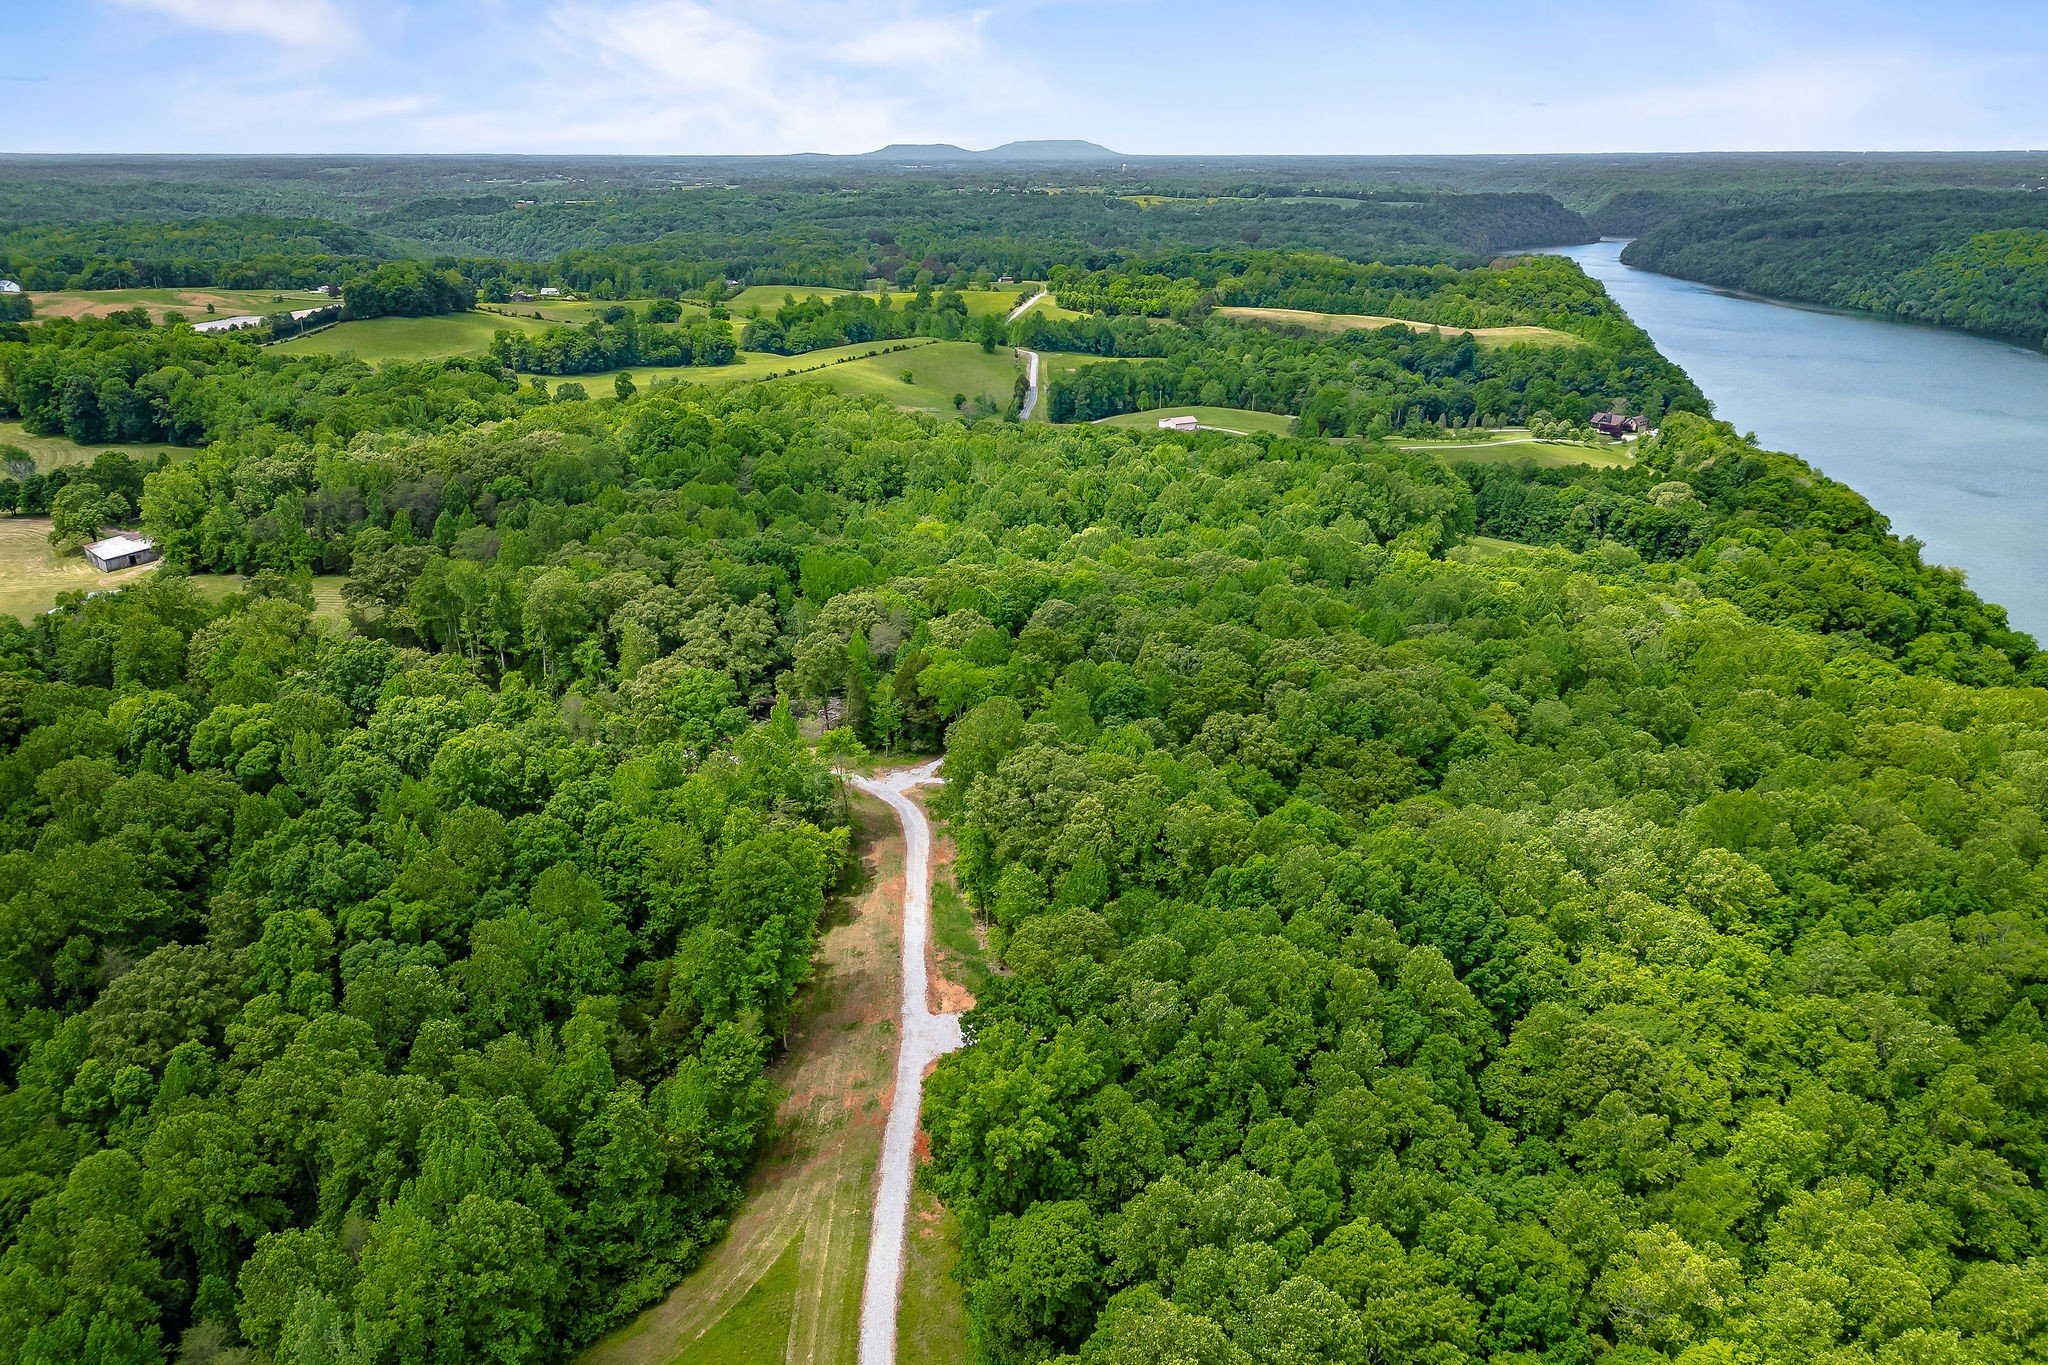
<point x="122" y="551"/>
<point x="1184" y="422"/>
<point x="9" y="287"/>
<point x="550" y="292"/>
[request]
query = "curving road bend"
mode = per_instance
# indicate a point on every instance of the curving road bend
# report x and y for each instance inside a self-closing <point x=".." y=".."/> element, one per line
<point x="925" y="1037"/>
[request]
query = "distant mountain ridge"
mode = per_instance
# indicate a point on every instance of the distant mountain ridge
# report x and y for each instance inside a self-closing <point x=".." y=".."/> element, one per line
<point x="1041" y="149"/>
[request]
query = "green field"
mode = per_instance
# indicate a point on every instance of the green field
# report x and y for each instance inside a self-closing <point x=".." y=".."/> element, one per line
<point x="1507" y="447"/>
<point x="32" y="574"/>
<point x="938" y="371"/>
<point x="756" y="1331"/>
<point x="80" y="303"/>
<point x="52" y="452"/>
<point x="750" y="365"/>
<point x="1350" y="322"/>
<point x="1221" y="419"/>
<point x="379" y="339"/>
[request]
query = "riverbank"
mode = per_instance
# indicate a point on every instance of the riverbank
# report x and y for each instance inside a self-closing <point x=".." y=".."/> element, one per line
<point x="1939" y="429"/>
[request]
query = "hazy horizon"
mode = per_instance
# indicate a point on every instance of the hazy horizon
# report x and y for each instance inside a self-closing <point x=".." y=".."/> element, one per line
<point x="720" y="77"/>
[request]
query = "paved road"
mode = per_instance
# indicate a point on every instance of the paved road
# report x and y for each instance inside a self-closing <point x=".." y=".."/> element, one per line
<point x="925" y="1038"/>
<point x="1021" y="309"/>
<point x="1031" y="393"/>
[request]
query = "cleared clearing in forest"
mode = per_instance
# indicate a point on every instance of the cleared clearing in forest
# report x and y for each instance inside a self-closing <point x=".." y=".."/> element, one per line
<point x="1353" y="322"/>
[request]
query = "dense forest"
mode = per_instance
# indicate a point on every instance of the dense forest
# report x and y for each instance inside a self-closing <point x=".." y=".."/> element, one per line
<point x="1449" y="911"/>
<point x="637" y="245"/>
<point x="1975" y="260"/>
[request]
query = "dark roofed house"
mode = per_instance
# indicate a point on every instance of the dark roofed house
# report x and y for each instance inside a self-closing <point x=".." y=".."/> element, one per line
<point x="1619" y="424"/>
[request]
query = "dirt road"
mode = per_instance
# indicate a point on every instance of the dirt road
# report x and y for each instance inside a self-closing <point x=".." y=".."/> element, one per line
<point x="925" y="1038"/>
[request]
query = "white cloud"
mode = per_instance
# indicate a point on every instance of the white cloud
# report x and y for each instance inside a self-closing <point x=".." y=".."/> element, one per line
<point x="299" y="23"/>
<point x="773" y="75"/>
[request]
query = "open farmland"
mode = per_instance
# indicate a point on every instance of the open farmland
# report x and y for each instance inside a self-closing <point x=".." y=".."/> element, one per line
<point x="95" y="303"/>
<point x="1507" y="447"/>
<point x="939" y="369"/>
<point x="54" y="452"/>
<point x="379" y="339"/>
<point x="32" y="573"/>
<point x="748" y="366"/>
<point x="1349" y="322"/>
<point x="938" y="372"/>
<point x="1240" y="420"/>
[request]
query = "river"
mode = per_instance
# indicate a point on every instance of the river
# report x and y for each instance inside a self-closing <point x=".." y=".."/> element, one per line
<point x="1946" y="434"/>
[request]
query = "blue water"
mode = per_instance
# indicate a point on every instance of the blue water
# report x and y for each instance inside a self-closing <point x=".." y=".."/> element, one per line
<point x="1946" y="434"/>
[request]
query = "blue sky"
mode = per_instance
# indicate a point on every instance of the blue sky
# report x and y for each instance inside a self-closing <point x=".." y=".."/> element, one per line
<point x="1158" y="76"/>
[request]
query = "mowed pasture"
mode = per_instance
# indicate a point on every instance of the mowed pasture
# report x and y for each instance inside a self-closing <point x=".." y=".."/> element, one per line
<point x="938" y="371"/>
<point x="56" y="452"/>
<point x="1353" y="322"/>
<point x="1512" y="445"/>
<point x="996" y="301"/>
<point x="33" y="574"/>
<point x="376" y="340"/>
<point x="1241" y="420"/>
<point x="98" y="303"/>
<point x="750" y="365"/>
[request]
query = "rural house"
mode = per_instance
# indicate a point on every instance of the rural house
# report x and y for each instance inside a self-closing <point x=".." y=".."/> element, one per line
<point x="9" y="287"/>
<point x="1618" y="424"/>
<point x="1185" y="422"/>
<point x="121" y="551"/>
<point x="548" y="291"/>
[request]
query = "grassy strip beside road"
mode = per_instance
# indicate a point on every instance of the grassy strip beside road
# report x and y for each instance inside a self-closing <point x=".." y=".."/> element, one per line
<point x="932" y="1326"/>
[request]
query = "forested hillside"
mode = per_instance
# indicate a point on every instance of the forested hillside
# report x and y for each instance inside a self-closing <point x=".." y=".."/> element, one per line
<point x="1449" y="912"/>
<point x="1975" y="260"/>
<point x="643" y="244"/>
<point x="1362" y="383"/>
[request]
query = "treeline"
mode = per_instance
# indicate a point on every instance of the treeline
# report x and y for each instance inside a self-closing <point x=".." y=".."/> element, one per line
<point x="616" y="338"/>
<point x="1543" y="291"/>
<point x="1971" y="259"/>
<point x="122" y="379"/>
<point x="814" y="324"/>
<point x="1363" y="383"/>
<point x="407" y="289"/>
<point x="638" y="244"/>
<point x="246" y="251"/>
